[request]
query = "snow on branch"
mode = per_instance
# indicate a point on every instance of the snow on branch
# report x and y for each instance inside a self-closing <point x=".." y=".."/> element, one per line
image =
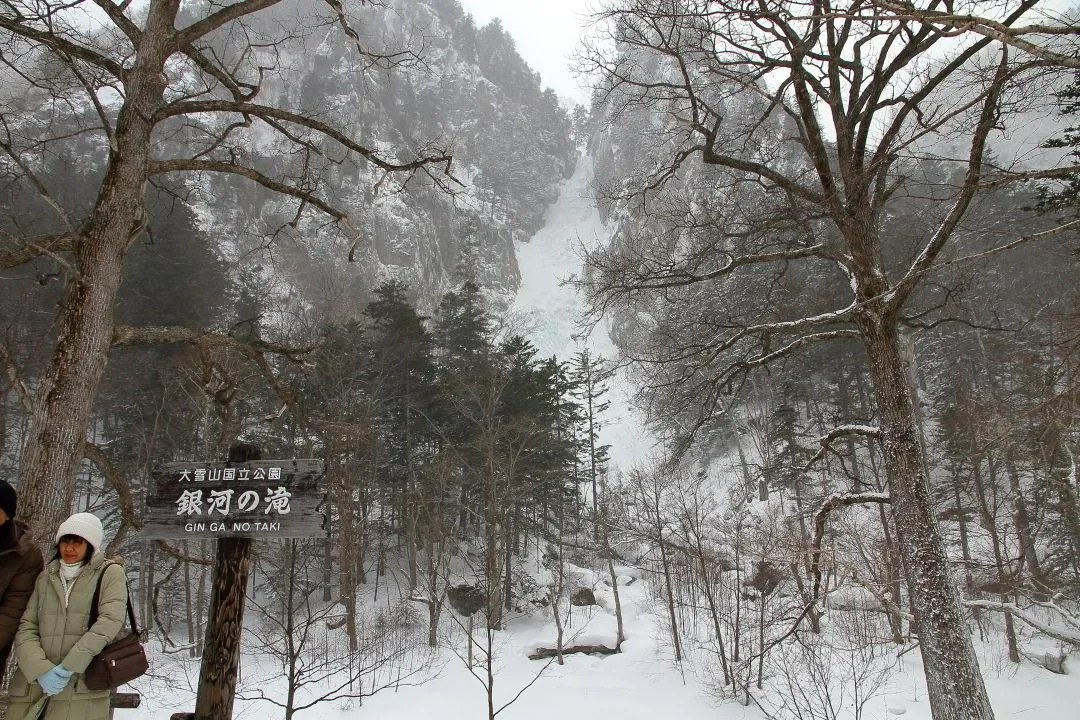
<point x="828" y="505"/>
<point x="1069" y="635"/>
<point x="1004" y="32"/>
<point x="825" y="442"/>
<point x="678" y="277"/>
<point x="797" y="343"/>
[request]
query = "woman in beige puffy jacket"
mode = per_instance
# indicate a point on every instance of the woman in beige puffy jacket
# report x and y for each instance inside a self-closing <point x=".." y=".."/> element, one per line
<point x="55" y="642"/>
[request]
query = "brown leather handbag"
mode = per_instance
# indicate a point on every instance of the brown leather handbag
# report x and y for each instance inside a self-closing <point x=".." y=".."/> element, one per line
<point x="122" y="660"/>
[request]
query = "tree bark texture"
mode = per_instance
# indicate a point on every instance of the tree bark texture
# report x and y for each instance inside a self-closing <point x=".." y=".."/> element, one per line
<point x="953" y="680"/>
<point x="221" y="655"/>
<point x="54" y="445"/>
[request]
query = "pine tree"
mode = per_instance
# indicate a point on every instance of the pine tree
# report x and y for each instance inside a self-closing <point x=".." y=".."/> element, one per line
<point x="1064" y="197"/>
<point x="590" y="377"/>
<point x="400" y="376"/>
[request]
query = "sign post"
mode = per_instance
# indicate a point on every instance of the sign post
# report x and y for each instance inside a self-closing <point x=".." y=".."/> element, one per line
<point x="232" y="502"/>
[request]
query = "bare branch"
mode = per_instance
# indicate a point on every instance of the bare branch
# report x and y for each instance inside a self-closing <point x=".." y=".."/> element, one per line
<point x="48" y="246"/>
<point x="162" y="335"/>
<point x="1057" y="173"/>
<point x="836" y="433"/>
<point x="114" y="479"/>
<point x="157" y="167"/>
<point x="1069" y="636"/>
<point x="992" y="29"/>
<point x="831" y="503"/>
<point x="972" y="176"/>
<point x="33" y="178"/>
<point x="116" y="14"/>
<point x="265" y="111"/>
<point x="1057" y="230"/>
<point x="62" y="46"/>
<point x="222" y="17"/>
<point x="174" y="553"/>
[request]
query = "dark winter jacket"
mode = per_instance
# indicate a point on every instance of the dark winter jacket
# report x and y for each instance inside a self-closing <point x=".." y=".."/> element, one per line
<point x="20" y="563"/>
<point x="52" y="634"/>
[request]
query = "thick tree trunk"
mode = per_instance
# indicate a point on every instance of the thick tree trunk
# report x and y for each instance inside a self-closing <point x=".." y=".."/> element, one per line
<point x="54" y="446"/>
<point x="954" y="682"/>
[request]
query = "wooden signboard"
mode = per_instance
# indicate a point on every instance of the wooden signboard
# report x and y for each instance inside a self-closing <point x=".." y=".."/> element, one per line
<point x="254" y="499"/>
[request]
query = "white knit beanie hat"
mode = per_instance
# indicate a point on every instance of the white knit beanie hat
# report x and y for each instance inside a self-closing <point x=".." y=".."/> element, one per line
<point x="85" y="525"/>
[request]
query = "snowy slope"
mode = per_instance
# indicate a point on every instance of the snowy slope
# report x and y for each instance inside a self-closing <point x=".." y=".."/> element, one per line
<point x="547" y="310"/>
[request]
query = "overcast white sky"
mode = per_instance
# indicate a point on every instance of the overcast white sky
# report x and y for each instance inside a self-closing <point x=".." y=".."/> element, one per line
<point x="545" y="33"/>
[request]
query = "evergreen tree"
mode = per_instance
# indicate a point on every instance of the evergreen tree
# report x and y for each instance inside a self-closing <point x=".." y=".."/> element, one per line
<point x="590" y="377"/>
<point x="1064" y="197"/>
<point x="400" y="377"/>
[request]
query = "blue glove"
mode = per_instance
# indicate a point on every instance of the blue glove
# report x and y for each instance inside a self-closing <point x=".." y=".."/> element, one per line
<point x="55" y="680"/>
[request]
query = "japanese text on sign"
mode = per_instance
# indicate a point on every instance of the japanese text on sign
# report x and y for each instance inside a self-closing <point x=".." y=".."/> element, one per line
<point x="191" y="502"/>
<point x="228" y="474"/>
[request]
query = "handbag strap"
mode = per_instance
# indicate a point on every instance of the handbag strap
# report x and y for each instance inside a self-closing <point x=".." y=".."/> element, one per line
<point x="97" y="593"/>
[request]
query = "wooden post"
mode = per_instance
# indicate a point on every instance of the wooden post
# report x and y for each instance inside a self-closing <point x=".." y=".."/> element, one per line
<point x="221" y="651"/>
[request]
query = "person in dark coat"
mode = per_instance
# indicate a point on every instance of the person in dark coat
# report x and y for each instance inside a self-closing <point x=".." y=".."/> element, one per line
<point x="20" y="563"/>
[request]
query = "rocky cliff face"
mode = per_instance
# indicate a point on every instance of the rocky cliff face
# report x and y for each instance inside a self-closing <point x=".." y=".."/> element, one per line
<point x="419" y="76"/>
<point x="446" y="84"/>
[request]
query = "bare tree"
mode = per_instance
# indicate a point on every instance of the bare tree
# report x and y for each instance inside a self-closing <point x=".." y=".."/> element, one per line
<point x="145" y="77"/>
<point x="316" y="662"/>
<point x="794" y="246"/>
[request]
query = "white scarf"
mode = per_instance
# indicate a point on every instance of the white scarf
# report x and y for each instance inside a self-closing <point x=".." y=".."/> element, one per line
<point x="68" y="573"/>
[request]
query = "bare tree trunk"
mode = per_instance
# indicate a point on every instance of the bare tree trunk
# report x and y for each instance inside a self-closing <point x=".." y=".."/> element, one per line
<point x="434" y="555"/>
<point x="328" y="561"/>
<point x="189" y="604"/>
<point x="347" y="581"/>
<point x="670" y="601"/>
<point x="954" y="681"/>
<point x="508" y="569"/>
<point x="200" y="602"/>
<point x="54" y="446"/>
<point x="1022" y="521"/>
<point x="147" y="573"/>
<point x="619" y="634"/>
<point x="707" y="586"/>
<point x="761" y="639"/>
<point x="1068" y="501"/>
<point x="469" y="656"/>
<point x="989" y="522"/>
<point x="493" y="572"/>
<point x="737" y="631"/>
<point x="556" y="596"/>
<point x="965" y="545"/>
<point x="797" y="572"/>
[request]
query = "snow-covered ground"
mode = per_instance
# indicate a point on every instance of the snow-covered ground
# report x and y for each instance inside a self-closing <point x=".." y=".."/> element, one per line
<point x="641" y="683"/>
